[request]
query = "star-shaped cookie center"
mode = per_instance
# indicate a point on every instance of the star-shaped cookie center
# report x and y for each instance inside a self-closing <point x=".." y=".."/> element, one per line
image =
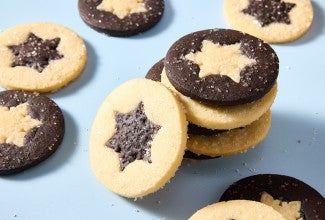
<point x="289" y="210"/>
<point x="133" y="136"/>
<point x="35" y="52"/>
<point x="269" y="11"/>
<point x="224" y="60"/>
<point x="122" y="8"/>
<point x="15" y="122"/>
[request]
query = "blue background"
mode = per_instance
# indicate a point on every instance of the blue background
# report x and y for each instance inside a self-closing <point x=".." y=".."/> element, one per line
<point x="64" y="187"/>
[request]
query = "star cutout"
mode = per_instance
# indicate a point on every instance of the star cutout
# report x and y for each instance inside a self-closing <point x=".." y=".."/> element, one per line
<point x="224" y="60"/>
<point x="15" y="122"/>
<point x="35" y="52"/>
<point x="133" y="136"/>
<point x="269" y="11"/>
<point x="122" y="8"/>
<point x="289" y="210"/>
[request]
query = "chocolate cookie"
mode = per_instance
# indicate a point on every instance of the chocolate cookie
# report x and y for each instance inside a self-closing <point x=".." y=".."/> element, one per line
<point x="31" y="129"/>
<point x="223" y="67"/>
<point x="275" y="21"/>
<point x="121" y="17"/>
<point x="154" y="73"/>
<point x="131" y="151"/>
<point x="285" y="194"/>
<point x="40" y="57"/>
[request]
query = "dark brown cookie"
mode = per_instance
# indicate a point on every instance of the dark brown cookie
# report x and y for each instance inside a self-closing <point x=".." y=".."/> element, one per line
<point x="146" y="15"/>
<point x="154" y="72"/>
<point x="36" y="126"/>
<point x="280" y="187"/>
<point x="253" y="62"/>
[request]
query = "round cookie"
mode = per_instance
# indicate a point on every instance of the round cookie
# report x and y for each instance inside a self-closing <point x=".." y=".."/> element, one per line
<point x="31" y="129"/>
<point x="237" y="210"/>
<point x="231" y="142"/>
<point x="281" y="192"/>
<point x="222" y="67"/>
<point x="274" y="21"/>
<point x="121" y="17"/>
<point x="41" y="57"/>
<point x="131" y="151"/>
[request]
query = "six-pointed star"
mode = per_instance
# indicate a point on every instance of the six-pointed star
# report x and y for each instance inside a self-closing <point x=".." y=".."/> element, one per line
<point x="15" y="123"/>
<point x="224" y="60"/>
<point x="133" y="136"/>
<point x="35" y="52"/>
<point x="122" y="8"/>
<point x="269" y="11"/>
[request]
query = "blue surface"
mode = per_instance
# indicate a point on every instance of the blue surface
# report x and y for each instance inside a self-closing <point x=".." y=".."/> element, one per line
<point x="63" y="187"/>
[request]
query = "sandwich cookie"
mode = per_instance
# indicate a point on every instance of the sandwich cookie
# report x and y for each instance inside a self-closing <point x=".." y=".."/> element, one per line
<point x="138" y="138"/>
<point x="121" y="17"/>
<point x="31" y="129"/>
<point x="274" y="21"/>
<point x="40" y="57"/>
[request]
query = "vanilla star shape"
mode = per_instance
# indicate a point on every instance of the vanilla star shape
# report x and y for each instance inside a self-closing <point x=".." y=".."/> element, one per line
<point x="122" y="8"/>
<point x="133" y="136"/>
<point x="224" y="60"/>
<point x="289" y="210"/>
<point x="15" y="123"/>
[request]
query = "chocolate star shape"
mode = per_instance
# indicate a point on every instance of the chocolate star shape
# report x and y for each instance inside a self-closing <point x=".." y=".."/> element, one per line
<point x="269" y="11"/>
<point x="35" y="52"/>
<point x="133" y="136"/>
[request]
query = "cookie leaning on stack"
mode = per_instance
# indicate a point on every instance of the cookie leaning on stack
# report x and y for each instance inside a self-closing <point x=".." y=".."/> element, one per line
<point x="138" y="138"/>
<point x="226" y="81"/>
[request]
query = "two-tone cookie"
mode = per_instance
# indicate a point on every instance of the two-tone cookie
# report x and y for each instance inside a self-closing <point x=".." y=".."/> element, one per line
<point x="275" y="21"/>
<point x="31" y="129"/>
<point x="222" y="67"/>
<point x="237" y="209"/>
<point x="121" y="17"/>
<point x="138" y="138"/>
<point x="291" y="197"/>
<point x="40" y="57"/>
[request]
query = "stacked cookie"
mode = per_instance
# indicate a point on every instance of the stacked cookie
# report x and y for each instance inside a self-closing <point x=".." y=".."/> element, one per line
<point x="226" y="81"/>
<point x="138" y="138"/>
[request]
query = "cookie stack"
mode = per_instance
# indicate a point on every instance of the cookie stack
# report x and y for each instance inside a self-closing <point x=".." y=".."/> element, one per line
<point x="226" y="81"/>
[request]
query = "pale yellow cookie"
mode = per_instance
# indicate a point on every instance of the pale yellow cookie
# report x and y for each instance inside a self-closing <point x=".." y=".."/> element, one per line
<point x="237" y="210"/>
<point x="299" y="19"/>
<point x="222" y="117"/>
<point x="24" y="48"/>
<point x="233" y="141"/>
<point x="117" y="127"/>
